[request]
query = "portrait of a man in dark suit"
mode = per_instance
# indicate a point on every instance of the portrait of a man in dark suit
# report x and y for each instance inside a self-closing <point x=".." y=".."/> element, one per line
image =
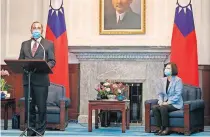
<point x="118" y="14"/>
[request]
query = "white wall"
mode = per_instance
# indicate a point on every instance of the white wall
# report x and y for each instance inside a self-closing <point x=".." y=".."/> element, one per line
<point x="82" y="19"/>
<point x="17" y="15"/>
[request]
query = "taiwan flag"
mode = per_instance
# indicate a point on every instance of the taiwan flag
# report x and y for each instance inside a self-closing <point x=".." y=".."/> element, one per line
<point x="184" y="45"/>
<point x="56" y="32"/>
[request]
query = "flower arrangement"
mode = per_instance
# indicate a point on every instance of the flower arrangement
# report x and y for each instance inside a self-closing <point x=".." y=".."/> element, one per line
<point x="110" y="88"/>
<point x="3" y="84"/>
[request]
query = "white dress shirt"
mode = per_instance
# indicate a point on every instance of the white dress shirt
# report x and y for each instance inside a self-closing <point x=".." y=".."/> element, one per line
<point x="120" y="16"/>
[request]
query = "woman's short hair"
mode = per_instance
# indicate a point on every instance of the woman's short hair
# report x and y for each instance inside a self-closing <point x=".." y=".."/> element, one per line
<point x="174" y="69"/>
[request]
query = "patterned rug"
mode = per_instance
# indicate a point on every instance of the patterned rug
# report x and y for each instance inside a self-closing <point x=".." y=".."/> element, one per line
<point x="81" y="130"/>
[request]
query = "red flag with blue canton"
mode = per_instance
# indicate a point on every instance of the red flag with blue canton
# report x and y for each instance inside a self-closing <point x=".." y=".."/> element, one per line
<point x="56" y="32"/>
<point x="184" y="45"/>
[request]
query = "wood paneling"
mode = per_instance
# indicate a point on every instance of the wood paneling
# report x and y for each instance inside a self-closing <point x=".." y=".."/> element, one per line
<point x="74" y="78"/>
<point x="17" y="89"/>
<point x="204" y="75"/>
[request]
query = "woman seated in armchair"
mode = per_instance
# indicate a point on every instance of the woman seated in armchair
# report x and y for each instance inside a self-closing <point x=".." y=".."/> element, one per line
<point x="169" y="92"/>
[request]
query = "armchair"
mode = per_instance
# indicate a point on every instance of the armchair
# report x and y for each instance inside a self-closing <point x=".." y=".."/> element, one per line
<point x="187" y="120"/>
<point x="57" y="108"/>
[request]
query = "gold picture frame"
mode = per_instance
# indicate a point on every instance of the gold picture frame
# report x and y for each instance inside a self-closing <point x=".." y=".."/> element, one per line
<point x="133" y="21"/>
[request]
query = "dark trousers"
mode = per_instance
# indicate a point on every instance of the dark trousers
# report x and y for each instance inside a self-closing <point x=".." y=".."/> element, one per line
<point x="161" y="114"/>
<point x="39" y="96"/>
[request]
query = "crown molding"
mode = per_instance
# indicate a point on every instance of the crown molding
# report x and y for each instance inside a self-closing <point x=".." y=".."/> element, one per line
<point x="140" y="53"/>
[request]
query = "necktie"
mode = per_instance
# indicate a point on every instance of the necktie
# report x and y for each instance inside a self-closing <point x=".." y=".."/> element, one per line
<point x="34" y="48"/>
<point x="119" y="20"/>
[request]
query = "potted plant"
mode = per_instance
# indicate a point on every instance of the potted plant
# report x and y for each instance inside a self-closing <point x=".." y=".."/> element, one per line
<point x="110" y="90"/>
<point x="4" y="87"/>
<point x="102" y="92"/>
<point x="118" y="89"/>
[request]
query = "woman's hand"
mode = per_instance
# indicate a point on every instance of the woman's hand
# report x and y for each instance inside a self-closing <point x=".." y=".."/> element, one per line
<point x="165" y="103"/>
<point x="160" y="102"/>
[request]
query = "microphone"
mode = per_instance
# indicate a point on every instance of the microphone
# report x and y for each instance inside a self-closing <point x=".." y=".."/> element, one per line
<point x="40" y="45"/>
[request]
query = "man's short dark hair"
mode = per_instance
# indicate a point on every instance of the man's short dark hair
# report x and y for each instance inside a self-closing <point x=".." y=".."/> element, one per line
<point x="36" y="22"/>
<point x="174" y="69"/>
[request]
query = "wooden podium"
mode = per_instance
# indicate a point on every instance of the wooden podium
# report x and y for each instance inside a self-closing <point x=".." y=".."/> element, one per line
<point x="18" y="66"/>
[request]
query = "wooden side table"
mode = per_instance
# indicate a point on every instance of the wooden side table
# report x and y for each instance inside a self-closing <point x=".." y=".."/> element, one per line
<point x="122" y="106"/>
<point x="6" y="103"/>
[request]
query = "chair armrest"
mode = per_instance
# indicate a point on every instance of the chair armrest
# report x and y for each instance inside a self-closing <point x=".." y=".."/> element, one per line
<point x="65" y="100"/>
<point x="148" y="106"/>
<point x="195" y="104"/>
<point x="151" y="101"/>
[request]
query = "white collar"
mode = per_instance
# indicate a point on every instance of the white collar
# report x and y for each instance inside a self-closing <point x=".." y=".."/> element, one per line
<point x="33" y="41"/>
<point x="38" y="40"/>
<point x="121" y="16"/>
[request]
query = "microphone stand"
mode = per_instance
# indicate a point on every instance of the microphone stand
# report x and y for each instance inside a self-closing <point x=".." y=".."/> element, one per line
<point x="28" y="128"/>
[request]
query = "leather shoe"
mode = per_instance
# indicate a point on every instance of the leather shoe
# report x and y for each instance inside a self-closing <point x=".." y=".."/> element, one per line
<point x="158" y="132"/>
<point x="165" y="132"/>
<point x="31" y="133"/>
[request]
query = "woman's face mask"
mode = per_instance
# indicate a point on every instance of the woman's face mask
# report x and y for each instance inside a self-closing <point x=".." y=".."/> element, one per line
<point x="168" y="71"/>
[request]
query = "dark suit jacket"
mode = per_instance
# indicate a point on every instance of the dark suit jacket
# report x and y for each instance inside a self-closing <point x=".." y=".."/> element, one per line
<point x="131" y="20"/>
<point x="25" y="53"/>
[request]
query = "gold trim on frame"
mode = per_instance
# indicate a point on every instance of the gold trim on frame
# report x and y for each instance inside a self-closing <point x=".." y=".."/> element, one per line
<point x="123" y="31"/>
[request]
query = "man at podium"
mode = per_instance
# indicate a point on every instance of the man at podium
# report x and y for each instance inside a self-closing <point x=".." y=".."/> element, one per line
<point x="37" y="48"/>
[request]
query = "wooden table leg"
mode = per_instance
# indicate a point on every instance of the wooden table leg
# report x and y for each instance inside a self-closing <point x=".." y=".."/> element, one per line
<point x="13" y="108"/>
<point x="128" y="118"/>
<point x="106" y="118"/>
<point x="123" y="120"/>
<point x="96" y="119"/>
<point x="89" y="118"/>
<point x="6" y="116"/>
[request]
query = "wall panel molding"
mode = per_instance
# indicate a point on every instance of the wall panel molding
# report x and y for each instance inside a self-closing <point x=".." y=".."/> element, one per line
<point x="7" y="26"/>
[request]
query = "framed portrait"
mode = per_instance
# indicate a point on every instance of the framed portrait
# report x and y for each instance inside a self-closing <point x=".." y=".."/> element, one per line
<point x="122" y="17"/>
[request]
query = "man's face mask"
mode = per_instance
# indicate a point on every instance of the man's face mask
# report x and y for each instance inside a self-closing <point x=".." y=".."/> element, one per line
<point x="36" y="34"/>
